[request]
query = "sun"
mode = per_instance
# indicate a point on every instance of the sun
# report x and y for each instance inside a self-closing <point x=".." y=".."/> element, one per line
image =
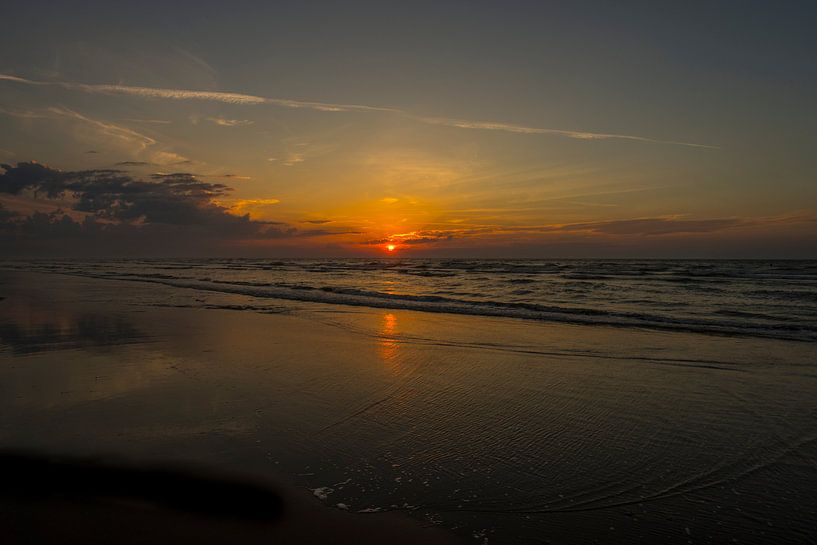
<point x="391" y="247"/>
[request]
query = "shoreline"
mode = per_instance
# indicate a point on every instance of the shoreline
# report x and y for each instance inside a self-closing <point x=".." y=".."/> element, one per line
<point x="440" y="305"/>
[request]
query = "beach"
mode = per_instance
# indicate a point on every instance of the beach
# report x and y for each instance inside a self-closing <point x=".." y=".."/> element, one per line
<point x="498" y="429"/>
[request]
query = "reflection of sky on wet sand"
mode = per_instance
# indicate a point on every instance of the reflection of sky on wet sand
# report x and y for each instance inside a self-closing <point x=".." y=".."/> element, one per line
<point x="62" y="330"/>
<point x="389" y="342"/>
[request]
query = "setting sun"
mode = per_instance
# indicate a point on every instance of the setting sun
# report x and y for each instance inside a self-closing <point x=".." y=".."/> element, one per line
<point x="391" y="247"/>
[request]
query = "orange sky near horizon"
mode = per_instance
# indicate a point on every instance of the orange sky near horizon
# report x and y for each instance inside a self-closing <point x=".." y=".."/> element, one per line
<point x="530" y="132"/>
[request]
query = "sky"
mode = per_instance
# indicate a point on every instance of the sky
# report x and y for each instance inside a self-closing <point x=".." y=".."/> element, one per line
<point x="442" y="129"/>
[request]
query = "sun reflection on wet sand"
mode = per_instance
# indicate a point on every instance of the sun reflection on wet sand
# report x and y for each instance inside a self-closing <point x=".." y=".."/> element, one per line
<point x="389" y="344"/>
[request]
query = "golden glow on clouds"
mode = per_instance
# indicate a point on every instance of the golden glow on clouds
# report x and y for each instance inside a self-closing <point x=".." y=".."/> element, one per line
<point x="255" y="207"/>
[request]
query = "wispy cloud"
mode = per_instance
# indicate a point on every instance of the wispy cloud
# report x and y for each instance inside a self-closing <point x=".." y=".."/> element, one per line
<point x="293" y="159"/>
<point x="230" y="176"/>
<point x="416" y="237"/>
<point x="108" y="129"/>
<point x="168" y="158"/>
<point x="185" y="94"/>
<point x="132" y="164"/>
<point x="166" y="175"/>
<point x="624" y="228"/>
<point x="149" y="121"/>
<point x="224" y="122"/>
<point x="655" y="226"/>
<point x="246" y="99"/>
<point x="98" y="131"/>
<point x="521" y="129"/>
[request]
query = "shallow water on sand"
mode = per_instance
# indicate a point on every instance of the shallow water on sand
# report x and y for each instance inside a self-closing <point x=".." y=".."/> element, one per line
<point x="505" y="430"/>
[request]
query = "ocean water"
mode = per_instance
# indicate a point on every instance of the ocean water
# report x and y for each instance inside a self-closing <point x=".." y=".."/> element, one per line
<point x="773" y="299"/>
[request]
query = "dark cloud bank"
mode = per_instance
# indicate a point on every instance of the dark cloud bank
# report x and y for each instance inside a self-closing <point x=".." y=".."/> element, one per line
<point x="109" y="212"/>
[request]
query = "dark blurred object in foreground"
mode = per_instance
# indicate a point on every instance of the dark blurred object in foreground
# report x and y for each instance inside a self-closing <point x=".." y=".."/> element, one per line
<point x="47" y="500"/>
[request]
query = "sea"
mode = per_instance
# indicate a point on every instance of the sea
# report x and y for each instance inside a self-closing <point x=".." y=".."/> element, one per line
<point x="756" y="298"/>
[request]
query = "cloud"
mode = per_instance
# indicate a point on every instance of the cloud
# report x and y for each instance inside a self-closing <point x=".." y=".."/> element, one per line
<point x="229" y="122"/>
<point x="111" y="210"/>
<point x="245" y="99"/>
<point x="242" y="205"/>
<point x="175" y="160"/>
<point x="162" y="175"/>
<point x="105" y="129"/>
<point x="6" y="215"/>
<point x="168" y="158"/>
<point x="149" y="121"/>
<point x="256" y="202"/>
<point x="114" y="196"/>
<point x="389" y="200"/>
<point x="578" y="135"/>
<point x="185" y="94"/>
<point x="654" y="226"/>
<point x="416" y="237"/>
<point x="229" y="176"/>
<point x="96" y="131"/>
<point x="197" y="60"/>
<point x="623" y="229"/>
<point x="326" y="233"/>
<point x="317" y="222"/>
<point x="293" y="159"/>
<point x="108" y="129"/>
<point x="133" y="163"/>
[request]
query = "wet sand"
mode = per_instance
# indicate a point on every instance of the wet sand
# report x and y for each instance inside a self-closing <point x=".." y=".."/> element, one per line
<point x="501" y="430"/>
